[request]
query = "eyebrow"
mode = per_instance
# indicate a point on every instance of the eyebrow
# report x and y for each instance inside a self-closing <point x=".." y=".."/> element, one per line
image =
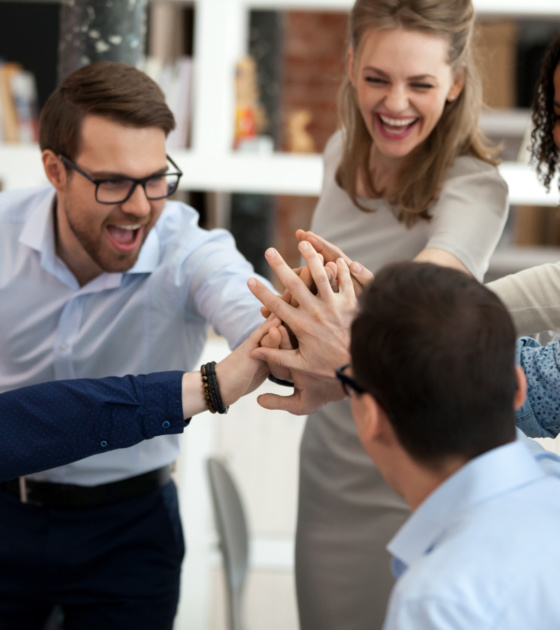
<point x="416" y="77"/>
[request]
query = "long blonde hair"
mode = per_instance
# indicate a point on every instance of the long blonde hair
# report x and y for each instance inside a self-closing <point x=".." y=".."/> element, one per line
<point x="457" y="132"/>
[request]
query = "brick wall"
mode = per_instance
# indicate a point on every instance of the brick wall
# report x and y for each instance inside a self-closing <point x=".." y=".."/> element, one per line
<point x="313" y="64"/>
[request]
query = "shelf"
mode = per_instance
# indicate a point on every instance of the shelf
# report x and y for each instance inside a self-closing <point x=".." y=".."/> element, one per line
<point x="274" y="174"/>
<point x="487" y="8"/>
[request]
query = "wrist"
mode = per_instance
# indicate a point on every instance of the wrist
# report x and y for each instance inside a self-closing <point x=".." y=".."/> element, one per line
<point x="211" y="389"/>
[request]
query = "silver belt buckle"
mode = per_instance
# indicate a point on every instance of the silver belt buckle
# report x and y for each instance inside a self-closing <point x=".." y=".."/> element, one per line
<point x="23" y="490"/>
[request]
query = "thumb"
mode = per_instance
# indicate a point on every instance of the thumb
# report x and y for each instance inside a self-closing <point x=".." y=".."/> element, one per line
<point x="274" y="356"/>
<point x="282" y="403"/>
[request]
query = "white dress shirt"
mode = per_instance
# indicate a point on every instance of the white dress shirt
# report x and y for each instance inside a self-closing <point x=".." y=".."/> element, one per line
<point x="152" y="318"/>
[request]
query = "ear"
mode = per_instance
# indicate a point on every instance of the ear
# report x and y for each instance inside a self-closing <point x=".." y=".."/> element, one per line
<point x="457" y="85"/>
<point x="54" y="169"/>
<point x="351" y="66"/>
<point x="371" y="421"/>
<point x="521" y="391"/>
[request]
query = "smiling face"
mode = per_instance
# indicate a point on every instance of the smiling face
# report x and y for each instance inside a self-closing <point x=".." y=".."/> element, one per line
<point x="92" y="237"/>
<point x="402" y="80"/>
<point x="556" y="80"/>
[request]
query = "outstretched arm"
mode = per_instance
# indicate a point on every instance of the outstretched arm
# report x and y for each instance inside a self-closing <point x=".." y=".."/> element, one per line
<point x="321" y="324"/>
<point x="55" y="423"/>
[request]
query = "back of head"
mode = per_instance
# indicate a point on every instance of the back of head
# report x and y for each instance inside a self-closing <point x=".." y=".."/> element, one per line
<point x="457" y="132"/>
<point x="110" y="89"/>
<point x="435" y="348"/>
<point x="545" y="153"/>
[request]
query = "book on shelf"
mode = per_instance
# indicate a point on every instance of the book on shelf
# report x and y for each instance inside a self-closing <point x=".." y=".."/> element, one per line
<point x="18" y="104"/>
<point x="175" y="80"/>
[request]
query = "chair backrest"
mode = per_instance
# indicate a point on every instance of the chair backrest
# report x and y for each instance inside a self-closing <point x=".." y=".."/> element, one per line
<point x="233" y="534"/>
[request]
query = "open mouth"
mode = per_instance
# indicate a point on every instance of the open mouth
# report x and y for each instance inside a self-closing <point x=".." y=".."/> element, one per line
<point x="124" y="238"/>
<point x="396" y="128"/>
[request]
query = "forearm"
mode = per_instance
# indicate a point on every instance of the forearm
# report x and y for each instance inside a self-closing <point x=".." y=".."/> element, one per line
<point x="55" y="423"/>
<point x="532" y="297"/>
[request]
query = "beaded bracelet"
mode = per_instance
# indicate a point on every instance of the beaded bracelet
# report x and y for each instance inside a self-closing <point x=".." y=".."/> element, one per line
<point x="211" y="389"/>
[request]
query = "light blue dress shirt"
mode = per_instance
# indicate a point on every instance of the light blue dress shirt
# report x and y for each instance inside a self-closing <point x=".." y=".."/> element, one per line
<point x="483" y="551"/>
<point x="153" y="318"/>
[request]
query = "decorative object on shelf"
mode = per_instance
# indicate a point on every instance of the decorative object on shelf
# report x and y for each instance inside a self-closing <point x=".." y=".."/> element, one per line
<point x="250" y="117"/>
<point x="18" y="104"/>
<point x="298" y="139"/>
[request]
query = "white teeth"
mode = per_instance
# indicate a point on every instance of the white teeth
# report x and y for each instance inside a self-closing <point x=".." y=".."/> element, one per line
<point x="128" y="227"/>
<point x="397" y="122"/>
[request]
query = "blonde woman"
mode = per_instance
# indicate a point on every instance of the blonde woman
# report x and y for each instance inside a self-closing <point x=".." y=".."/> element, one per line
<point x="408" y="176"/>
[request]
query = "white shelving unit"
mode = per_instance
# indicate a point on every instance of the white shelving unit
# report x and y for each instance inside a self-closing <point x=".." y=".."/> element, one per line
<point x="210" y="164"/>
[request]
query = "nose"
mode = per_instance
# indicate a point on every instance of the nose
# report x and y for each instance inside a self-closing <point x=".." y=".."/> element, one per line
<point x="396" y="99"/>
<point x="137" y="204"/>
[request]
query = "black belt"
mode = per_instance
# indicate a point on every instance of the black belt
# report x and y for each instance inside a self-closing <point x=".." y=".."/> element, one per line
<point x="63" y="495"/>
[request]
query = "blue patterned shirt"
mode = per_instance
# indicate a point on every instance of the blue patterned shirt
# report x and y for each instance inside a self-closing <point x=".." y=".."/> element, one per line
<point x="540" y="414"/>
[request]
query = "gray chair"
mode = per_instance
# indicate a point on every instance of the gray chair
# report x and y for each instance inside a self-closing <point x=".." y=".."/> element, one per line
<point x="233" y="535"/>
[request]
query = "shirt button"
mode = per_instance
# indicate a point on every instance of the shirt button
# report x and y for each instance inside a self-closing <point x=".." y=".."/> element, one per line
<point x="63" y="347"/>
<point x="103" y="443"/>
<point x="166" y="424"/>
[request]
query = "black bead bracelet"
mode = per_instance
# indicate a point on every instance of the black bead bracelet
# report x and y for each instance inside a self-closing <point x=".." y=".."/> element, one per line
<point x="211" y="389"/>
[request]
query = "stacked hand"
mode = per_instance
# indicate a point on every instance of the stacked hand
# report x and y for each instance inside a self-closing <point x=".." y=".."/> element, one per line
<point x="320" y="322"/>
<point x="330" y="253"/>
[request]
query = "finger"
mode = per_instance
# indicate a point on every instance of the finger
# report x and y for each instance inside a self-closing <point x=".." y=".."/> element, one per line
<point x="307" y="279"/>
<point x="360" y="273"/>
<point x="281" y="358"/>
<point x="328" y="250"/>
<point x="289" y="279"/>
<point x="344" y="278"/>
<point x="272" y="339"/>
<point x="332" y="272"/>
<point x="272" y="302"/>
<point x="315" y="263"/>
<point x="255" y="337"/>
<point x="292" y="403"/>
<point x="285" y="341"/>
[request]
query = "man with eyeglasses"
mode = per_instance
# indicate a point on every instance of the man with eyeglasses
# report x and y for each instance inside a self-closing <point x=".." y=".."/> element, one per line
<point x="103" y="275"/>
<point x="429" y="367"/>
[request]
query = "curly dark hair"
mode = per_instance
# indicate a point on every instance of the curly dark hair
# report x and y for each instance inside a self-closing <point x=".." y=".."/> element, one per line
<point x="544" y="152"/>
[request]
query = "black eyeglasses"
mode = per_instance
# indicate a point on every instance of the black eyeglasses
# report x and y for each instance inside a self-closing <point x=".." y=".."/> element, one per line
<point x="348" y="383"/>
<point x="119" y="189"/>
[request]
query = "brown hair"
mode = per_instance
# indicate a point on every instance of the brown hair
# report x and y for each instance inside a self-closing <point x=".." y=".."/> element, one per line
<point x="436" y="349"/>
<point x="543" y="150"/>
<point x="110" y="89"/>
<point x="456" y="133"/>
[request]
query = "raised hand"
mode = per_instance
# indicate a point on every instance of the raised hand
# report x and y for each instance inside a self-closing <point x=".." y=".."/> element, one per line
<point x="321" y="324"/>
<point x="330" y="253"/>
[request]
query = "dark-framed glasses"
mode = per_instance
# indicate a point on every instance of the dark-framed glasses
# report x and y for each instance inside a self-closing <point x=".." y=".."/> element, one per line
<point x="348" y="383"/>
<point x="113" y="190"/>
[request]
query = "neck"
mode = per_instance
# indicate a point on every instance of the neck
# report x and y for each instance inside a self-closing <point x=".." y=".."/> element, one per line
<point x="419" y="481"/>
<point x="383" y="171"/>
<point x="71" y="252"/>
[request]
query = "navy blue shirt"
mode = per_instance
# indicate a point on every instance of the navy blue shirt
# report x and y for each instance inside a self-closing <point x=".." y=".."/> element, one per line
<point x="55" y="423"/>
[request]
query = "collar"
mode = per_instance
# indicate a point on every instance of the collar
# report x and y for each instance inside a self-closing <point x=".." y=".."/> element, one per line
<point x="496" y="472"/>
<point x="38" y="234"/>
